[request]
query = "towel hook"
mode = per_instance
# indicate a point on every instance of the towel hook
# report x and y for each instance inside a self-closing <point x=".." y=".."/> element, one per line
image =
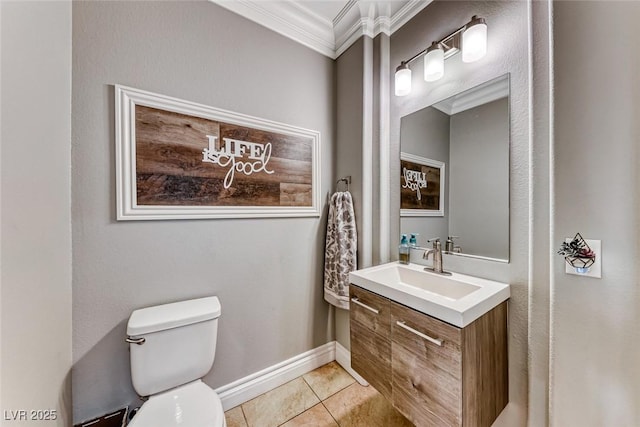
<point x="346" y="180"/>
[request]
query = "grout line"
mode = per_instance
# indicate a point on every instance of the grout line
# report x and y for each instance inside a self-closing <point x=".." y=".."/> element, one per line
<point x="246" y="422"/>
<point x="322" y="401"/>
<point x="297" y="415"/>
<point x="309" y="385"/>
<point x="314" y="393"/>
<point x="336" y="392"/>
<point x="327" y="409"/>
<point x="306" y="410"/>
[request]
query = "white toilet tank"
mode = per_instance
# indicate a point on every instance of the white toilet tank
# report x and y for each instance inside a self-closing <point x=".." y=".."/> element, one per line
<point x="179" y="343"/>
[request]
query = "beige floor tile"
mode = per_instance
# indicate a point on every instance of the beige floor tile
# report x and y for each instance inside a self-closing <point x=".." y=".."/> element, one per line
<point x="358" y="406"/>
<point x="235" y="417"/>
<point x="279" y="405"/>
<point x="318" y="416"/>
<point x="328" y="379"/>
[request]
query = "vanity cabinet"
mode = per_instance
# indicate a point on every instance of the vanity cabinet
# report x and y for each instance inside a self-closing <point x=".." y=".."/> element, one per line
<point x="371" y="351"/>
<point x="434" y="373"/>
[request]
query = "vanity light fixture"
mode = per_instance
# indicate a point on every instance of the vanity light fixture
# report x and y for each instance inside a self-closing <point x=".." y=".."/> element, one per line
<point x="471" y="39"/>
<point x="474" y="40"/>
<point x="403" y="79"/>
<point x="434" y="63"/>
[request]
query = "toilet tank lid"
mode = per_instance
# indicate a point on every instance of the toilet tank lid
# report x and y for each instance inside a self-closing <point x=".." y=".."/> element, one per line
<point x="168" y="316"/>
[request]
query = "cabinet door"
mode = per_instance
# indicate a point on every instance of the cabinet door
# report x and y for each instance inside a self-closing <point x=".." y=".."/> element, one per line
<point x="426" y="368"/>
<point x="370" y="310"/>
<point x="370" y="338"/>
<point x="371" y="358"/>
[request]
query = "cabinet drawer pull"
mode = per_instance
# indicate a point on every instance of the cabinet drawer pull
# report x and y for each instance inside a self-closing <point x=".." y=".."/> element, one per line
<point x="418" y="333"/>
<point x="357" y="301"/>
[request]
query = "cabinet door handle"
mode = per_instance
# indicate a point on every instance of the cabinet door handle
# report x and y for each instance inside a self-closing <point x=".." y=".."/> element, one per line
<point x="418" y="333"/>
<point x="357" y="301"/>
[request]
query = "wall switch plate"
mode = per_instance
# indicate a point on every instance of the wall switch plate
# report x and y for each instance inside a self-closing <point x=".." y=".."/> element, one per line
<point x="595" y="270"/>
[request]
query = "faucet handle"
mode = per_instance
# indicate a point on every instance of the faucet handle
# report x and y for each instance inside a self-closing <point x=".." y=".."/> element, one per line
<point x="436" y="243"/>
<point x="450" y="244"/>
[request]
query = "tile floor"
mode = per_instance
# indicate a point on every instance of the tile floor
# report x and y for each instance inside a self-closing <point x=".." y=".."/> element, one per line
<point x="326" y="397"/>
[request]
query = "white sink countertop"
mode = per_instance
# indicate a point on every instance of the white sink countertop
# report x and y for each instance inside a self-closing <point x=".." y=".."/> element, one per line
<point x="457" y="299"/>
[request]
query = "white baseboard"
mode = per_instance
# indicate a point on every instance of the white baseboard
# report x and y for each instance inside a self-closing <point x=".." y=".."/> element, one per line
<point x="343" y="357"/>
<point x="254" y="385"/>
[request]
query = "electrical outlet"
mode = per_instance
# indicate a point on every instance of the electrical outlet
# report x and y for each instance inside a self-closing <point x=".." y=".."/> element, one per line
<point x="595" y="270"/>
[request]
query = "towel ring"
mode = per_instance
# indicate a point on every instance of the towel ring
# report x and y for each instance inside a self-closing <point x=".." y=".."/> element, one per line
<point x="346" y="180"/>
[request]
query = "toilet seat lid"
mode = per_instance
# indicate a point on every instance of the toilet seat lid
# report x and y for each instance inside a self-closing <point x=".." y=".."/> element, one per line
<point x="191" y="405"/>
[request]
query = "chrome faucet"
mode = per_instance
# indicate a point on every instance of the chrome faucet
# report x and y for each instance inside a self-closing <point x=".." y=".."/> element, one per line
<point x="437" y="257"/>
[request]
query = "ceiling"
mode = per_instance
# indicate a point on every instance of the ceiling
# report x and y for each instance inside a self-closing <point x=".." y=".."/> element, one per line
<point x="327" y="26"/>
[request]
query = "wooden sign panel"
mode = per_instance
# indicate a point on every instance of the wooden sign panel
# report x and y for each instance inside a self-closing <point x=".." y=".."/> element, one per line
<point x="178" y="159"/>
<point x="421" y="186"/>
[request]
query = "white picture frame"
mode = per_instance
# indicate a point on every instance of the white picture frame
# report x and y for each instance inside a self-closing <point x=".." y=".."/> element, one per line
<point x="126" y="100"/>
<point x="430" y="163"/>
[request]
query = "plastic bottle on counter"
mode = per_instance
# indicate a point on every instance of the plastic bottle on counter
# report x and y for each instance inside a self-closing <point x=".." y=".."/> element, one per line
<point x="403" y="250"/>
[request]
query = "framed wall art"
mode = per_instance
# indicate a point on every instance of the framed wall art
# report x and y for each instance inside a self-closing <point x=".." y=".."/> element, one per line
<point x="177" y="159"/>
<point x="421" y="186"/>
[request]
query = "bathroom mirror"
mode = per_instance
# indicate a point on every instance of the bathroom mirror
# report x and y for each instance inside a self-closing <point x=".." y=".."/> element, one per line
<point x="468" y="134"/>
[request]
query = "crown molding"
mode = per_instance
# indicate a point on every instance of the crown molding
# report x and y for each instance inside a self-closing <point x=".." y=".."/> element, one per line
<point x="289" y="19"/>
<point x="479" y="95"/>
<point x="406" y="12"/>
<point x="349" y="36"/>
<point x="356" y="19"/>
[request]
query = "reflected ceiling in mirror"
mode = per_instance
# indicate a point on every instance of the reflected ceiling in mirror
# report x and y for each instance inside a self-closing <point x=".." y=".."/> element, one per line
<point x="468" y="133"/>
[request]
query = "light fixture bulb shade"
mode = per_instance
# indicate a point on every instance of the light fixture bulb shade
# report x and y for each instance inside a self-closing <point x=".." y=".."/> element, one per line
<point x="434" y="64"/>
<point x="474" y="41"/>
<point x="403" y="80"/>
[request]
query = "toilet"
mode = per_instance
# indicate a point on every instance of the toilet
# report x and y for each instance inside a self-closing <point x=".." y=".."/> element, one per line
<point x="172" y="347"/>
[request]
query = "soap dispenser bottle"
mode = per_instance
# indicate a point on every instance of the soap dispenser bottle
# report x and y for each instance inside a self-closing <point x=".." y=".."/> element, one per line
<point x="413" y="240"/>
<point x="403" y="250"/>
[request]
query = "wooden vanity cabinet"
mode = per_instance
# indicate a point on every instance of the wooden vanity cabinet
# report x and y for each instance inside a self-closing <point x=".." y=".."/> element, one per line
<point x="434" y="373"/>
<point x="371" y="351"/>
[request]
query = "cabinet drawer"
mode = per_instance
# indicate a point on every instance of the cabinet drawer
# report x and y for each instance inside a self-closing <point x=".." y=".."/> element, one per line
<point x="370" y="310"/>
<point x="427" y="368"/>
<point x="371" y="357"/>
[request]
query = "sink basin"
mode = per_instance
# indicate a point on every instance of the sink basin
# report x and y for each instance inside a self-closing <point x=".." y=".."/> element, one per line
<point x="457" y="299"/>
<point x="430" y="282"/>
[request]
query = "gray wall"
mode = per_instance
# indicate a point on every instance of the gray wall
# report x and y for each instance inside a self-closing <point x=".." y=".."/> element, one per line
<point x="362" y="121"/>
<point x="348" y="154"/>
<point x="267" y="272"/>
<point x="508" y="53"/>
<point x="479" y="179"/>
<point x="35" y="301"/>
<point x="349" y="112"/>
<point x="595" y="347"/>
<point x="425" y="133"/>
